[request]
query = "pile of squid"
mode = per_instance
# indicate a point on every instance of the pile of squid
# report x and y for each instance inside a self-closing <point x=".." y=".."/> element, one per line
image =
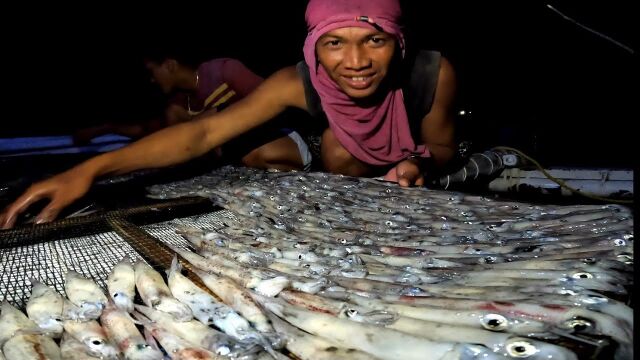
<point x="143" y="317"/>
<point x="346" y="267"/>
<point x="320" y="266"/>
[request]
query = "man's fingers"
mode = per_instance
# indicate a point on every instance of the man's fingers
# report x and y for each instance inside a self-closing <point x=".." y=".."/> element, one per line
<point x="404" y="182"/>
<point x="8" y="218"/>
<point x="49" y="213"/>
<point x="19" y="206"/>
<point x="405" y="174"/>
<point x="408" y="174"/>
<point x="392" y="175"/>
<point x="5" y="221"/>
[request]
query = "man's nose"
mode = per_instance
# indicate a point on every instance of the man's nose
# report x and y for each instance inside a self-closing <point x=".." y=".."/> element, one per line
<point x="357" y="58"/>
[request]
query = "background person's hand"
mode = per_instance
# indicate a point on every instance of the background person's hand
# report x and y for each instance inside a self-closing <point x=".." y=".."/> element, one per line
<point x="62" y="190"/>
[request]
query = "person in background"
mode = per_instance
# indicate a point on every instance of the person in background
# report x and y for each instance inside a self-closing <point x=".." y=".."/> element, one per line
<point x="196" y="91"/>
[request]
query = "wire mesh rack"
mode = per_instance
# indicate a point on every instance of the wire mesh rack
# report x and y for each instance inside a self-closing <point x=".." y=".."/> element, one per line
<point x="92" y="256"/>
<point x="47" y="252"/>
<point x="96" y="223"/>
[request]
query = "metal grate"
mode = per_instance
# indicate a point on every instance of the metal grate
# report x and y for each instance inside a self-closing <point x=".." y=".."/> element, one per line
<point x="95" y="223"/>
<point x="92" y="256"/>
<point x="89" y="246"/>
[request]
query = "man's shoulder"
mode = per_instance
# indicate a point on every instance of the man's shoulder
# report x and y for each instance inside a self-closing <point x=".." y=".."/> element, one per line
<point x="421" y="62"/>
<point x="421" y="56"/>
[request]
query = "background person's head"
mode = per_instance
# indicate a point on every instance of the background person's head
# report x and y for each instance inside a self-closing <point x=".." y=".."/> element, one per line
<point x="166" y="65"/>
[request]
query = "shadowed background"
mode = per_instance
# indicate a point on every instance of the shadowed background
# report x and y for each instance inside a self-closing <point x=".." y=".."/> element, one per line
<point x="531" y="79"/>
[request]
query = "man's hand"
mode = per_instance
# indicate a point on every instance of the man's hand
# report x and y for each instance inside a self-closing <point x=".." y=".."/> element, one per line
<point x="62" y="190"/>
<point x="406" y="173"/>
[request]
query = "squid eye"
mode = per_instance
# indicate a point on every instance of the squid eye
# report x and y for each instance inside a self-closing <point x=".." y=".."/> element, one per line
<point x="582" y="275"/>
<point x="521" y="349"/>
<point x="578" y="325"/>
<point x="351" y="312"/>
<point x="494" y="322"/>
<point x="619" y="242"/>
<point x="490" y="259"/>
<point x="97" y="342"/>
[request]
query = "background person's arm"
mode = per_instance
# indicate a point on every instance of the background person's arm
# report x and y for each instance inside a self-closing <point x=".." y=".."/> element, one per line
<point x="174" y="114"/>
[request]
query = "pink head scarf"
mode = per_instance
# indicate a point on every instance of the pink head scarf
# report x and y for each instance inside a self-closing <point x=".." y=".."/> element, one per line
<point x="378" y="135"/>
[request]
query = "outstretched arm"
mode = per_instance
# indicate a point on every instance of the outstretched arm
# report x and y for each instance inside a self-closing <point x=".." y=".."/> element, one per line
<point x="166" y="147"/>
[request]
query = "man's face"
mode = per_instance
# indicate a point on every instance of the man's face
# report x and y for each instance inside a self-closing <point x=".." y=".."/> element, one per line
<point x="356" y="58"/>
<point x="161" y="75"/>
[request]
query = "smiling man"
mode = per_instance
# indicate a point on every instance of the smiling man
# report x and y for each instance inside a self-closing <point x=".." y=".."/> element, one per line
<point x="389" y="108"/>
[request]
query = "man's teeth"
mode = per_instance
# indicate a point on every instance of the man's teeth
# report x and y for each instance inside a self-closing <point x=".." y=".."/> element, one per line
<point x="358" y="78"/>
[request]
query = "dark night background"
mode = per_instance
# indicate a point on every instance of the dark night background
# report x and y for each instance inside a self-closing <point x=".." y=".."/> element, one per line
<point x="532" y="79"/>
